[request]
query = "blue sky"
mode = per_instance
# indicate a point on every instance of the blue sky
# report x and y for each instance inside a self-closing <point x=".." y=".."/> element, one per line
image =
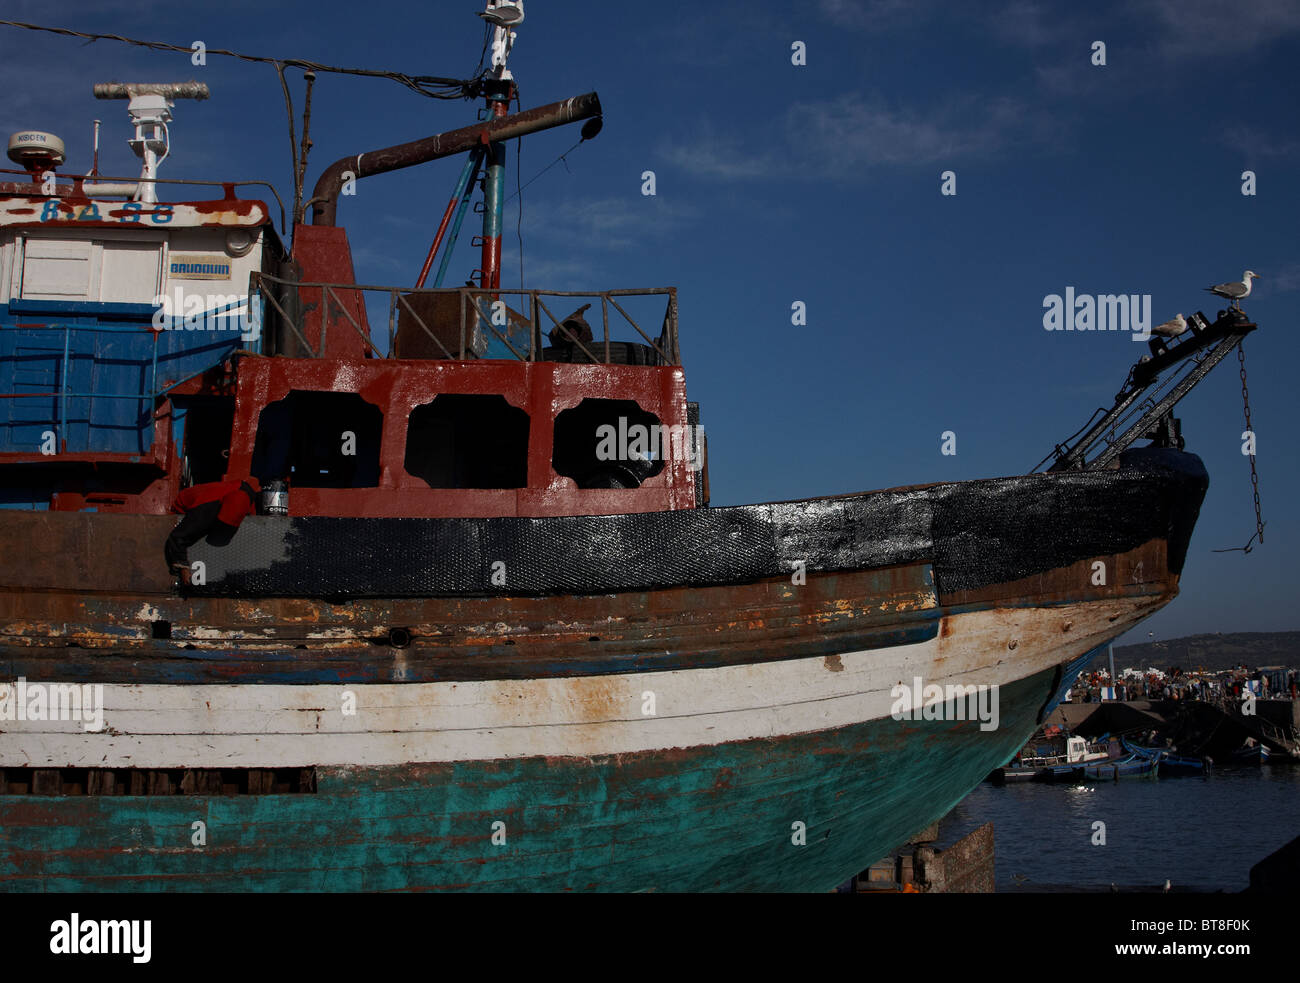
<point x="819" y="183"/>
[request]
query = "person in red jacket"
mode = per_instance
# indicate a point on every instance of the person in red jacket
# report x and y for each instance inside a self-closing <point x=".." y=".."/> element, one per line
<point x="215" y="507"/>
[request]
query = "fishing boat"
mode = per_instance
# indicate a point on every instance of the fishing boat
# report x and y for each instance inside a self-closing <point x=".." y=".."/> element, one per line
<point x="479" y="636"/>
<point x="1251" y="753"/>
<point x="1104" y="760"/>
<point x="1171" y="763"/>
<point x="1045" y="762"/>
<point x="1128" y="766"/>
<point x="1111" y="766"/>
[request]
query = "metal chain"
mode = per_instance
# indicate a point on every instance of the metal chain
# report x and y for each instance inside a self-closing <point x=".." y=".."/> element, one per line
<point x="1254" y="477"/>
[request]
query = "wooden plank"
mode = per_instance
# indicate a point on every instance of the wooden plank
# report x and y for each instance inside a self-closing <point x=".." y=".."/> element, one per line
<point x="47" y="781"/>
<point x="210" y="782"/>
<point x="259" y="781"/>
<point x="160" y="783"/>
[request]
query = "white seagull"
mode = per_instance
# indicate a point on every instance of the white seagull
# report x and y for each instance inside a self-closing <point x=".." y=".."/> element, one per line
<point x="1171" y="328"/>
<point x="1235" y="292"/>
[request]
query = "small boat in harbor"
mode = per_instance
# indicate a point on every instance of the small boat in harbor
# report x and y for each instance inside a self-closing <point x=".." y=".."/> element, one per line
<point x="1080" y="762"/>
<point x="1251" y="753"/>
<point x="1043" y="765"/>
<point x="1171" y="763"/>
<point x="1127" y="766"/>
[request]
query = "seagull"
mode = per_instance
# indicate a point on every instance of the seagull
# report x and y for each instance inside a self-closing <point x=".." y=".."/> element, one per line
<point x="1235" y="292"/>
<point x="1171" y="328"/>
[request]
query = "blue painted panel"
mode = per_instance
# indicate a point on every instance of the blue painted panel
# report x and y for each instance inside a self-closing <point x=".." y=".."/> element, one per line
<point x="93" y="308"/>
<point x="113" y="368"/>
<point x="32" y="499"/>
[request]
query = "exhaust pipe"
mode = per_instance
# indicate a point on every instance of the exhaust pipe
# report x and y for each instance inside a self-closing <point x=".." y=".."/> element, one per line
<point x="324" y="199"/>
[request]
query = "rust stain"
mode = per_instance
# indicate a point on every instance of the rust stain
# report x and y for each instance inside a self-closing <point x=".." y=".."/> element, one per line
<point x="833" y="663"/>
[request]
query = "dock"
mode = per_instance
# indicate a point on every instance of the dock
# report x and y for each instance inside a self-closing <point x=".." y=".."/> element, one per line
<point x="1204" y="727"/>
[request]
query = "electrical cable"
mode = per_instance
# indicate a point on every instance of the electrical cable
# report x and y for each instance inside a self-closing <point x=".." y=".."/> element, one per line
<point x="433" y="86"/>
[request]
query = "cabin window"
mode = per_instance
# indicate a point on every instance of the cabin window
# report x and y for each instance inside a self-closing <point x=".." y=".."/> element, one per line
<point x="319" y="440"/>
<point x="205" y="424"/>
<point x="468" y="441"/>
<point x="129" y="272"/>
<point x="57" y="269"/>
<point x="108" y="271"/>
<point x="608" y="443"/>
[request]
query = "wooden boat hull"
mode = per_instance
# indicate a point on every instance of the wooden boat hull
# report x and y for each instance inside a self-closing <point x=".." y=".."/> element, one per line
<point x="712" y="814"/>
<point x="743" y="734"/>
<point x="1171" y="765"/>
<point x="1130" y="766"/>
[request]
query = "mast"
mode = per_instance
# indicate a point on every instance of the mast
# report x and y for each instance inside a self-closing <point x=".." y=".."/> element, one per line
<point x="499" y="89"/>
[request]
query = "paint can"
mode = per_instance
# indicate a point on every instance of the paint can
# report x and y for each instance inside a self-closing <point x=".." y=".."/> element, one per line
<point x="275" y="498"/>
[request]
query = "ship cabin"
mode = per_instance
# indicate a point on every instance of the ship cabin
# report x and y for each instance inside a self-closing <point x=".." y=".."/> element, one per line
<point x="147" y="345"/>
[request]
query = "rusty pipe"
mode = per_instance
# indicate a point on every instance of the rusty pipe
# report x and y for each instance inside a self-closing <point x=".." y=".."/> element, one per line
<point x="326" y="193"/>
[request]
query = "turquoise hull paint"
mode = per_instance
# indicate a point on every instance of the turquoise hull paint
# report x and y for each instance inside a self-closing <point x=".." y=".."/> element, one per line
<point x="695" y="819"/>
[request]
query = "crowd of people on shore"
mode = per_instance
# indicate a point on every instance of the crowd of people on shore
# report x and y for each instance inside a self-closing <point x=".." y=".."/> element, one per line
<point x="1267" y="683"/>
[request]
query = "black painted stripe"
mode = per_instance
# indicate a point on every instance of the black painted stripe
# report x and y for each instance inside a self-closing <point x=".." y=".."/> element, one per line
<point x="975" y="533"/>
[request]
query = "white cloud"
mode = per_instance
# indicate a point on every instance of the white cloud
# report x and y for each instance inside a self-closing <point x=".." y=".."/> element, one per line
<point x="1256" y="144"/>
<point x="1286" y="279"/>
<point x="1220" y="27"/>
<point x="1176" y="29"/>
<point x="856" y="133"/>
<point x="874" y="15"/>
<point x="615" y="221"/>
<point x="1032" y="25"/>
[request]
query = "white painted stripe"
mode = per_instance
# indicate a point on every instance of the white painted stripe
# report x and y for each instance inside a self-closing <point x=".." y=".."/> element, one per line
<point x="256" y="726"/>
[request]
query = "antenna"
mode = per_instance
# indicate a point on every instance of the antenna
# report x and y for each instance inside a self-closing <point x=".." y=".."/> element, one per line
<point x="150" y="111"/>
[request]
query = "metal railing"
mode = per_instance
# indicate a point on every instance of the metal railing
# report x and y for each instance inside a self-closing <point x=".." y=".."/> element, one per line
<point x="486" y="318"/>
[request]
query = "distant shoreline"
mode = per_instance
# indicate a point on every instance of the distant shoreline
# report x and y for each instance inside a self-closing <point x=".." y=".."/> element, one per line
<point x="1212" y="651"/>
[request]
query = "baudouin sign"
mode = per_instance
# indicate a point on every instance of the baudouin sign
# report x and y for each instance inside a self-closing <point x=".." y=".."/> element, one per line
<point x="199" y="267"/>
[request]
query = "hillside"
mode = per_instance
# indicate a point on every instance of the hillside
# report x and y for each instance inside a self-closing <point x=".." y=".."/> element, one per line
<point x="1212" y="651"/>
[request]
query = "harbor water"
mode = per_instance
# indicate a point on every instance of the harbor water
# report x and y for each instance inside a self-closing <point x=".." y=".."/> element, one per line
<point x="1199" y="833"/>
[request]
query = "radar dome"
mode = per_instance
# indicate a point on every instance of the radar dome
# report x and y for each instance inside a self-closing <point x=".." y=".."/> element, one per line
<point x="33" y="149"/>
